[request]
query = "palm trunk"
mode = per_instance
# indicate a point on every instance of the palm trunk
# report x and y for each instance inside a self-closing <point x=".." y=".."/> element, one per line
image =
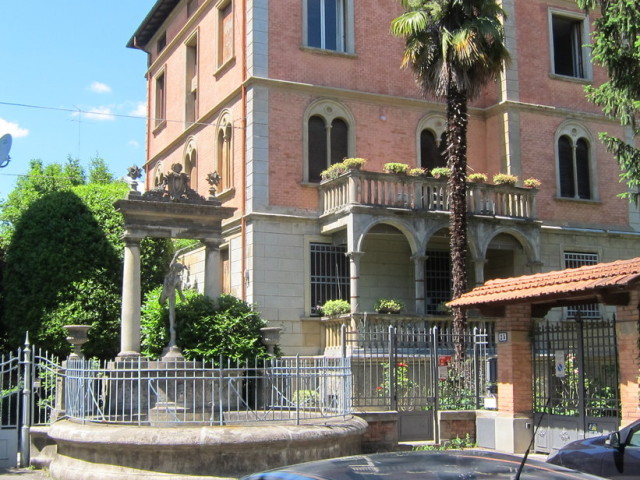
<point x="457" y="162"/>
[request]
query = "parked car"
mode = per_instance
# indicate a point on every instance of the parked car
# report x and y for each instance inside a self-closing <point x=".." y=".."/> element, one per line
<point x="616" y="455"/>
<point x="423" y="465"/>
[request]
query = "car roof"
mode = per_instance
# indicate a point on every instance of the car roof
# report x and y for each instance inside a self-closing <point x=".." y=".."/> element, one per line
<point x="423" y="465"/>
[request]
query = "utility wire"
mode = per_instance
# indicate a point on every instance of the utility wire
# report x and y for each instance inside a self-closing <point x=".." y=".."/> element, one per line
<point x="78" y="111"/>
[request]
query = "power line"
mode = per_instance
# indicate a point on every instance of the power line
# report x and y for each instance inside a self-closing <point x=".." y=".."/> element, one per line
<point x="78" y="111"/>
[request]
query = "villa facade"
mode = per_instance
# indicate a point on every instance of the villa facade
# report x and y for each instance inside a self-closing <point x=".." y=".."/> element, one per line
<point x="269" y="93"/>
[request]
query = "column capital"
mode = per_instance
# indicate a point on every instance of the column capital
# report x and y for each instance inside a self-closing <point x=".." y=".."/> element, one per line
<point x="212" y="243"/>
<point x="419" y="257"/>
<point x="354" y="255"/>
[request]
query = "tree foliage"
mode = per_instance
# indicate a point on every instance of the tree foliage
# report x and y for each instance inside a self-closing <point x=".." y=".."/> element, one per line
<point x="616" y="47"/>
<point x="454" y="47"/>
<point x="63" y="259"/>
<point x="205" y="329"/>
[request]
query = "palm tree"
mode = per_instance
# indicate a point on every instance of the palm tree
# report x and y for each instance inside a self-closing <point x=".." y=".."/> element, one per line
<point x="454" y="47"/>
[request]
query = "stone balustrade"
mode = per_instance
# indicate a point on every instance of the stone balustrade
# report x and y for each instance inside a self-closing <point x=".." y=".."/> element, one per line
<point x="359" y="187"/>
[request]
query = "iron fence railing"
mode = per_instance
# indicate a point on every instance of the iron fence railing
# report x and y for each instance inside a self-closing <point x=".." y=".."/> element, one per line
<point x="161" y="393"/>
<point x="409" y="367"/>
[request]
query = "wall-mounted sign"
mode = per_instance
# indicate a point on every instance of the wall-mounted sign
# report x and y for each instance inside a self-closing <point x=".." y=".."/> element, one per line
<point x="502" y="337"/>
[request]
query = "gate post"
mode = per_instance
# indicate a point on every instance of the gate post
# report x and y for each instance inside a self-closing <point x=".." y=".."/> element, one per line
<point x="582" y="411"/>
<point x="25" y="429"/>
<point x="393" y="400"/>
<point x="435" y="382"/>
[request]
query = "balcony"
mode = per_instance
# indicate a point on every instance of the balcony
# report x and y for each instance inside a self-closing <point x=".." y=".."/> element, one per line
<point x="372" y="189"/>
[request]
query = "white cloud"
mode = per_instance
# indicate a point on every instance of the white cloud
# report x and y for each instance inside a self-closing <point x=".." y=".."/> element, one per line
<point x="13" y="128"/>
<point x="140" y="110"/>
<point x="134" y="143"/>
<point x="99" y="87"/>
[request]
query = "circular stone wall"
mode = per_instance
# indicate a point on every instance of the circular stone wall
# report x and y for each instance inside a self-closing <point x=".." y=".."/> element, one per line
<point x="110" y="452"/>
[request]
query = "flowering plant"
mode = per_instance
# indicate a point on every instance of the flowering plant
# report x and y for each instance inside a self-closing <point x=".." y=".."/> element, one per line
<point x="404" y="386"/>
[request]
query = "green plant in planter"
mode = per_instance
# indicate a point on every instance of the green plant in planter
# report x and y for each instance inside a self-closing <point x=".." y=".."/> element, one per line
<point x="354" y="163"/>
<point x="532" y="183"/>
<point x="505" y="179"/>
<point x="334" y="171"/>
<point x="418" y="172"/>
<point x="441" y="172"/>
<point x="394" y="167"/>
<point x="332" y="308"/>
<point x="477" y="177"/>
<point x="388" y="305"/>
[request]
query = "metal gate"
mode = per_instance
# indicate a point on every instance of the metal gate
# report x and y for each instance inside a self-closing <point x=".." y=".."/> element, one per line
<point x="27" y="390"/>
<point x="576" y="381"/>
<point x="409" y="368"/>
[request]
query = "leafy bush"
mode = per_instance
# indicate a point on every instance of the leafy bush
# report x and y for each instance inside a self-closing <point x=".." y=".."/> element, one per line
<point x="335" y="307"/>
<point x="63" y="265"/>
<point x="334" y="171"/>
<point x="440" y="172"/>
<point x="388" y="305"/>
<point x="205" y="329"/>
<point x="477" y="177"/>
<point x="532" y="183"/>
<point x="505" y="179"/>
<point x="394" y="167"/>
<point x="418" y="172"/>
<point x="354" y="163"/>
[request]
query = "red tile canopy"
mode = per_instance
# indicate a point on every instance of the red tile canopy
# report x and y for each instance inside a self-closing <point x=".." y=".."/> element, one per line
<point x="607" y="283"/>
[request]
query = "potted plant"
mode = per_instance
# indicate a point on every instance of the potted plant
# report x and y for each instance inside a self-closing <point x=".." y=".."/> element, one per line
<point x="333" y="308"/>
<point x="418" y="172"/>
<point x="505" y="179"/>
<point x="477" y="177"/>
<point x="388" y="305"/>
<point x="440" y="172"/>
<point x="354" y="163"/>
<point x="394" y="167"/>
<point x="334" y="171"/>
<point x="532" y="183"/>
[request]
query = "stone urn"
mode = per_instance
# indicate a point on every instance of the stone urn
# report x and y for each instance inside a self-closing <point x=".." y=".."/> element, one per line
<point x="77" y="336"/>
<point x="270" y="337"/>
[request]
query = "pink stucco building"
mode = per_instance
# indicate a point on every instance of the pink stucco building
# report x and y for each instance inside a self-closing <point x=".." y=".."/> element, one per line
<point x="269" y="93"/>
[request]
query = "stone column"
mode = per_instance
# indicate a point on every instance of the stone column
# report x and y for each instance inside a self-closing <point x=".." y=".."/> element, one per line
<point x="354" y="279"/>
<point x="478" y="268"/>
<point x="212" y="287"/>
<point x="627" y="334"/>
<point x="418" y="268"/>
<point x="131" y="300"/>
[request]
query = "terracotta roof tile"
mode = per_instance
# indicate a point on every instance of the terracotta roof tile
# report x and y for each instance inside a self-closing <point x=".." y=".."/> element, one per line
<point x="582" y="280"/>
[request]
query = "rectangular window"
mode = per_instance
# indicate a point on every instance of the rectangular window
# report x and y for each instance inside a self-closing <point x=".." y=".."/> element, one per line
<point x="191" y="93"/>
<point x="225" y="271"/>
<point x="160" y="102"/>
<point x="225" y="33"/>
<point x="437" y="281"/>
<point x="567" y="39"/>
<point x="575" y="260"/>
<point x="329" y="274"/>
<point x="161" y="43"/>
<point x="326" y="24"/>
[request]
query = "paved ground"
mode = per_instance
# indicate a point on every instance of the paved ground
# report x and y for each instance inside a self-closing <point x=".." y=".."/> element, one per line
<point x="23" y="474"/>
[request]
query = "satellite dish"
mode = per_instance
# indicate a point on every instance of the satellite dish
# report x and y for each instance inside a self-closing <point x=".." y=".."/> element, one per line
<point x="5" y="146"/>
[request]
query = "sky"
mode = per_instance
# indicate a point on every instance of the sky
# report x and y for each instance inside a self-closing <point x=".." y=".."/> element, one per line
<point x="69" y="86"/>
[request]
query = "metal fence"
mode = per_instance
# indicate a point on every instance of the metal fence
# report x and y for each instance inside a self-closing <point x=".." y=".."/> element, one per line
<point x="160" y="393"/>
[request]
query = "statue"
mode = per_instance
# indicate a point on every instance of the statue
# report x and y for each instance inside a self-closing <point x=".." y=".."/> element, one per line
<point x="172" y="284"/>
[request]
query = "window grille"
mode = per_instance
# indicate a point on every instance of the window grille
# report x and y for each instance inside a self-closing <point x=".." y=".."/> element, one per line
<point x="329" y="274"/>
<point x="437" y="281"/>
<point x="575" y="260"/>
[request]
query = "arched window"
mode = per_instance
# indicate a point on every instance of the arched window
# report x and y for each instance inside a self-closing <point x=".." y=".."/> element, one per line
<point x="432" y="150"/>
<point x="432" y="142"/>
<point x="224" y="151"/>
<point x="575" y="163"/>
<point x="329" y="137"/>
<point x="191" y="163"/>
